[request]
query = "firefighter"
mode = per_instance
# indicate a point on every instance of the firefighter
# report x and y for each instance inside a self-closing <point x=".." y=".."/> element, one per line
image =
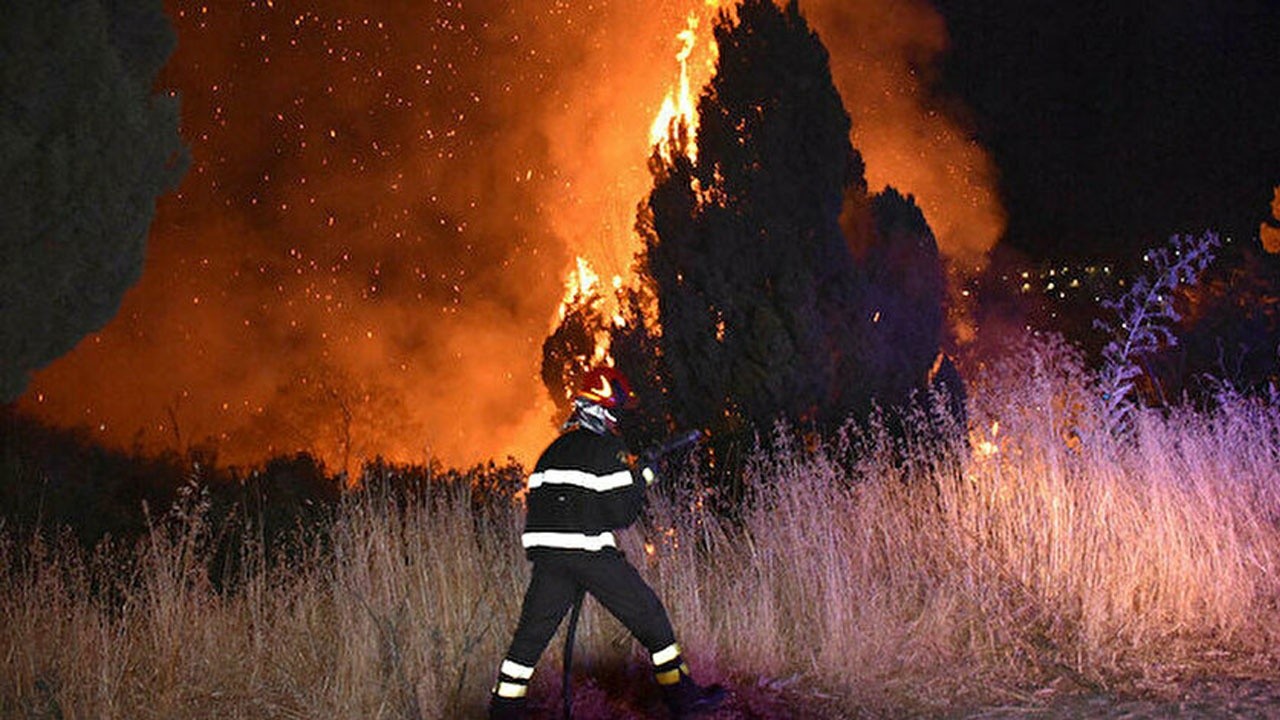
<point x="582" y="489"/>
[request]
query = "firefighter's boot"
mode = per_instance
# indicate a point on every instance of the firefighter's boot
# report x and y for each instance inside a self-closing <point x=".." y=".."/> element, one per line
<point x="501" y="708"/>
<point x="687" y="699"/>
<point x="683" y="697"/>
<point x="508" y="699"/>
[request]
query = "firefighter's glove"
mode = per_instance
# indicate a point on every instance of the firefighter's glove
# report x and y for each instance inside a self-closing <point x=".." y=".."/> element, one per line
<point x="649" y="473"/>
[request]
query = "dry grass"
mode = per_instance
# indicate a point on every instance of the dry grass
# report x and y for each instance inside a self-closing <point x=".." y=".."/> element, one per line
<point x="400" y="617"/>
<point x="900" y="583"/>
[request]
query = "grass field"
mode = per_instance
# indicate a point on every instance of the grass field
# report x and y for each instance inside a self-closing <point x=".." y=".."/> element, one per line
<point x="905" y="580"/>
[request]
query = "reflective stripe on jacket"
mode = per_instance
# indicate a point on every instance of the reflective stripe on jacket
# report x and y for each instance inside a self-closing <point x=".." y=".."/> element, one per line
<point x="579" y="491"/>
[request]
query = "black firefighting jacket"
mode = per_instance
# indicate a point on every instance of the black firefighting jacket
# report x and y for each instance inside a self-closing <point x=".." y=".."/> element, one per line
<point x="581" y="489"/>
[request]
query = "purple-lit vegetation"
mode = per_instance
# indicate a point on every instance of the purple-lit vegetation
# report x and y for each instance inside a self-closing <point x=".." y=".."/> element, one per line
<point x="907" y="579"/>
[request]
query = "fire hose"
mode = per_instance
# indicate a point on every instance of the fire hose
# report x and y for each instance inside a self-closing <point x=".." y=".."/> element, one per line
<point x="645" y="462"/>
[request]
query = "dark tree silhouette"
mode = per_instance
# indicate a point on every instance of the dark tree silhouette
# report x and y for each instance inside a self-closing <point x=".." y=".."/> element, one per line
<point x="1229" y="332"/>
<point x="906" y="290"/>
<point x="85" y="149"/>
<point x="637" y="351"/>
<point x="757" y="291"/>
<point x="567" y="353"/>
<point x="782" y="290"/>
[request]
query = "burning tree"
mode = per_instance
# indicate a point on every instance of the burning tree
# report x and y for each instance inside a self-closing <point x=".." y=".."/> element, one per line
<point x="781" y="289"/>
<point x="85" y="148"/>
<point x="766" y="311"/>
<point x="576" y="345"/>
<point x="758" y="295"/>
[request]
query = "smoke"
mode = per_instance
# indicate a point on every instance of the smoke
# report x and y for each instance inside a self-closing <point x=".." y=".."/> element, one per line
<point x="883" y="56"/>
<point x="384" y="204"/>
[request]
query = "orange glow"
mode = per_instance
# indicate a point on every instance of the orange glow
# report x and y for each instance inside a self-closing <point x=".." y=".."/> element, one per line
<point x="579" y="287"/>
<point x="383" y="202"/>
<point x="986" y="446"/>
<point x="678" y="106"/>
<point x="580" y="284"/>
<point x="1269" y="233"/>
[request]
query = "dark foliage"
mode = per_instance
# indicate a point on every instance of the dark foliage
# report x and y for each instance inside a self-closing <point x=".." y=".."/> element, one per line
<point x="782" y="290"/>
<point x="906" y="289"/>
<point x="487" y="487"/>
<point x="757" y="291"/>
<point x="51" y="478"/>
<point x="288" y="494"/>
<point x="1229" y="331"/>
<point x="59" y="484"/>
<point x="567" y="352"/>
<point x="86" y="146"/>
<point x="638" y="353"/>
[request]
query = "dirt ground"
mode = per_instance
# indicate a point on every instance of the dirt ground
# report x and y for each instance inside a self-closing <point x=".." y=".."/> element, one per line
<point x="1200" y="700"/>
<point x="1203" y="699"/>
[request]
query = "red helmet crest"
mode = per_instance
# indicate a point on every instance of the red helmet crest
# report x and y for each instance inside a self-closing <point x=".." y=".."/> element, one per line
<point x="607" y="387"/>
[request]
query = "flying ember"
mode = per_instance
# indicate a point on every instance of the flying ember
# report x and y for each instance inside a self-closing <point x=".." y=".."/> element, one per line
<point x="371" y="243"/>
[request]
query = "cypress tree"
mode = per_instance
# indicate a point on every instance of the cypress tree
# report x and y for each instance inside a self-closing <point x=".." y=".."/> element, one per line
<point x="757" y="291"/>
<point x="567" y="352"/>
<point x="906" y="288"/>
<point x="782" y="289"/>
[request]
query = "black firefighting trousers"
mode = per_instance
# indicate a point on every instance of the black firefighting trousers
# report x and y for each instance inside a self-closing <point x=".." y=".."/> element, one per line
<point x="608" y="577"/>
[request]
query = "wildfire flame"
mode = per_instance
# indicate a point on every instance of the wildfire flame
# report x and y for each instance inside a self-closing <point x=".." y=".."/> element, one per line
<point x="677" y="108"/>
<point x="985" y="447"/>
<point x="314" y="309"/>
<point x="1269" y="231"/>
<point x="582" y="283"/>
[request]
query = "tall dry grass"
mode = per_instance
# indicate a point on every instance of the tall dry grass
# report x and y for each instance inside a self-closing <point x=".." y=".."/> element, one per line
<point x="399" y="615"/>
<point x="923" y="578"/>
<point x="900" y="577"/>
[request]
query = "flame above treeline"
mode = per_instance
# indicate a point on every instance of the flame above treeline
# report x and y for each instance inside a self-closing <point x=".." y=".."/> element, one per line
<point x="384" y="207"/>
<point x="679" y="104"/>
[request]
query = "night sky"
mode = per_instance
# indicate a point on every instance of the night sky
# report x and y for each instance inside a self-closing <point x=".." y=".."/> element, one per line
<point x="1116" y="124"/>
<point x="386" y="199"/>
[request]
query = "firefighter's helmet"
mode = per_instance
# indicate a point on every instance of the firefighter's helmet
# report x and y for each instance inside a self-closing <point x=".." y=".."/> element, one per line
<point x="607" y="387"/>
<point x="600" y="399"/>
